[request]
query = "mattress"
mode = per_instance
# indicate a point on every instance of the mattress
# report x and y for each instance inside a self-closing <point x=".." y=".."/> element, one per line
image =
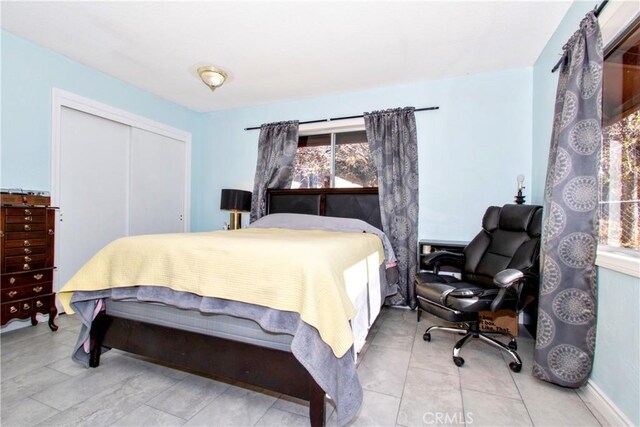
<point x="303" y="271"/>
<point x="365" y="296"/>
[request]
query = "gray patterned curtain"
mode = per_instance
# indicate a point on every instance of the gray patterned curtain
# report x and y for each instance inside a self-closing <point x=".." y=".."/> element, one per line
<point x="394" y="152"/>
<point x="566" y="332"/>
<point x="277" y="148"/>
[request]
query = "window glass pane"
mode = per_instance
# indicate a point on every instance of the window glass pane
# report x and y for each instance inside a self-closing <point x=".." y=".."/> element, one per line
<point x="313" y="162"/>
<point x="353" y="167"/>
<point x="620" y="156"/>
<point x="353" y="161"/>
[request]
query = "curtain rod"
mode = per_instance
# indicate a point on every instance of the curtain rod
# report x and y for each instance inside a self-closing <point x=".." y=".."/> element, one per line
<point x="344" y="118"/>
<point x="597" y="13"/>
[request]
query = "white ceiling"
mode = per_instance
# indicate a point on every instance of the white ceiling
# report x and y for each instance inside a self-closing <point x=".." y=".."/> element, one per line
<point x="276" y="51"/>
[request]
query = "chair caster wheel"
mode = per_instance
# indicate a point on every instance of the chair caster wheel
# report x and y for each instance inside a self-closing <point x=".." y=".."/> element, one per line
<point x="459" y="361"/>
<point x="515" y="367"/>
<point x="513" y="345"/>
<point x="427" y="336"/>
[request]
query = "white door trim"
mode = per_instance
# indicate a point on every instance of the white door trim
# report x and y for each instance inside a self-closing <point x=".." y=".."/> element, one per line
<point x="61" y="98"/>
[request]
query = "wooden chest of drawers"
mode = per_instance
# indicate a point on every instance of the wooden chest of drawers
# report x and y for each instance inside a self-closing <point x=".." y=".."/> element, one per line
<point x="26" y="250"/>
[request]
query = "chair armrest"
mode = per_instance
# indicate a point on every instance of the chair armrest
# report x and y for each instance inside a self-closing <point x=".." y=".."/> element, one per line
<point x="440" y="258"/>
<point x="466" y="293"/>
<point x="505" y="280"/>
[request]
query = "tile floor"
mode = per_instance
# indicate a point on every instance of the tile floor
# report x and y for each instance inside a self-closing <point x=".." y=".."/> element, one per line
<point x="406" y="381"/>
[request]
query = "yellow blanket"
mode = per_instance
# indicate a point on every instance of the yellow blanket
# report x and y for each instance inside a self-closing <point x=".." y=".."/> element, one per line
<point x="291" y="270"/>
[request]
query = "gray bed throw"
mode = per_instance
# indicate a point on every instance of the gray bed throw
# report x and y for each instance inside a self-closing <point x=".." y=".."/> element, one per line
<point x="337" y="376"/>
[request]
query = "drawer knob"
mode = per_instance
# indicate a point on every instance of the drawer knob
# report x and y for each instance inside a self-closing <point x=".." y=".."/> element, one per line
<point x="27" y="251"/>
<point x="26" y="243"/>
<point x="27" y="227"/>
<point x="27" y="259"/>
<point x="37" y="289"/>
<point x="38" y="276"/>
<point x="26" y="267"/>
<point x="12" y="309"/>
<point x="50" y="232"/>
<point x="27" y="212"/>
<point x="12" y="294"/>
<point x="28" y="218"/>
<point x="12" y="280"/>
<point x="39" y="304"/>
<point x="26" y="306"/>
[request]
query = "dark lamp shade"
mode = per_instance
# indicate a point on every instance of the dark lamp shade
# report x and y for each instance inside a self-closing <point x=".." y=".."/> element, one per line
<point x="235" y="200"/>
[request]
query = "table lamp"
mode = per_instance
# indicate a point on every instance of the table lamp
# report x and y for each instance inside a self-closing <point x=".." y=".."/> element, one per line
<point x="519" y="199"/>
<point x="235" y="201"/>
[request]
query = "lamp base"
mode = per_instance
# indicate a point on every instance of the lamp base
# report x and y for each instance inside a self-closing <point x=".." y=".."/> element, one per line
<point x="235" y="220"/>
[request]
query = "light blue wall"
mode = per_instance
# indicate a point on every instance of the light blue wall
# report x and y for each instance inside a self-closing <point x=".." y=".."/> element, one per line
<point x="470" y="151"/>
<point x="616" y="369"/>
<point x="29" y="72"/>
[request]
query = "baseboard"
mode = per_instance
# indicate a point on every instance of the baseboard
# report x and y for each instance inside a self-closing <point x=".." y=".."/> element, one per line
<point x="601" y="402"/>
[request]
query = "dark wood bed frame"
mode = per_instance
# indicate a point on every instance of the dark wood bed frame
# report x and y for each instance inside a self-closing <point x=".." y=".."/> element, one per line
<point x="271" y="369"/>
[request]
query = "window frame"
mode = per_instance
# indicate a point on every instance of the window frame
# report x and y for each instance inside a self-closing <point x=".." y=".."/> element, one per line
<point x="618" y="18"/>
<point x="332" y="128"/>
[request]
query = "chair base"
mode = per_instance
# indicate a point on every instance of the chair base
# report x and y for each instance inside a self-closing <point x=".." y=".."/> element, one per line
<point x="472" y="331"/>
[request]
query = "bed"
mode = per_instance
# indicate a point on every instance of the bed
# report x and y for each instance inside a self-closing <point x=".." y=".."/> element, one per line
<point x="289" y="352"/>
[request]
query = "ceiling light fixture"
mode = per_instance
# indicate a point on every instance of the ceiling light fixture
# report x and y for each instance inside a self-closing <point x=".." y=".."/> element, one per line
<point x="212" y="77"/>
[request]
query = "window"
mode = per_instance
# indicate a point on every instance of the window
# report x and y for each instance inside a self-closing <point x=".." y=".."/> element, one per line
<point x="336" y="160"/>
<point x="620" y="156"/>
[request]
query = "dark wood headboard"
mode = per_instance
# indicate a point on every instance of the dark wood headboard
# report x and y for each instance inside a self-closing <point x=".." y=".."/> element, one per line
<point x="360" y="203"/>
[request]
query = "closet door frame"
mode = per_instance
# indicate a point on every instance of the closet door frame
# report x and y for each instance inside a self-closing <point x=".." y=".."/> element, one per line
<point x="63" y="99"/>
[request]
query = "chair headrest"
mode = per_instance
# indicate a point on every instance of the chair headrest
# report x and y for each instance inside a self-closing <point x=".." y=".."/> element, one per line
<point x="491" y="218"/>
<point x="527" y="218"/>
<point x="521" y="218"/>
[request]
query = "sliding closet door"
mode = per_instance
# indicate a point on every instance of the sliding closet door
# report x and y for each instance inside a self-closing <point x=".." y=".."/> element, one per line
<point x="157" y="183"/>
<point x="93" y="181"/>
<point x="114" y="174"/>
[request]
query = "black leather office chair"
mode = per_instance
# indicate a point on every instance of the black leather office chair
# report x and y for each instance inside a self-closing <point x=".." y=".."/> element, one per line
<point x="499" y="270"/>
